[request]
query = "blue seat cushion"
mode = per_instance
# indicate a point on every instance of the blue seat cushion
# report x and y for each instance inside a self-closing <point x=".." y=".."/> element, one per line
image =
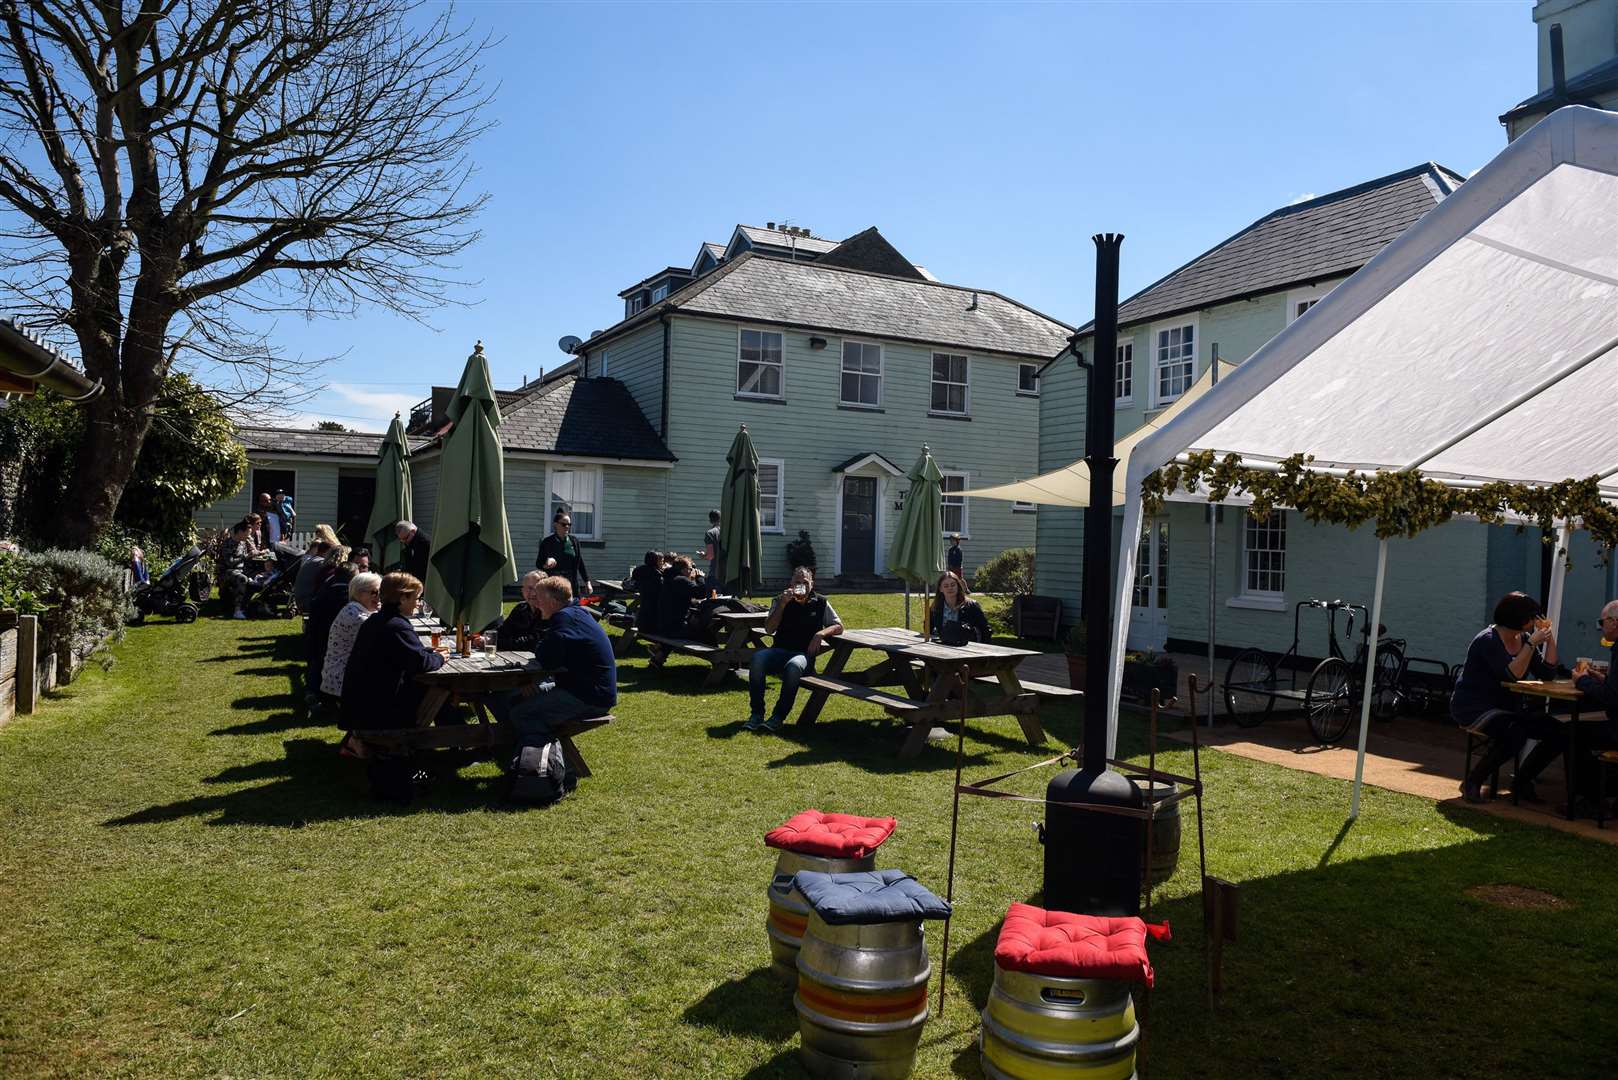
<point x="869" y="896"/>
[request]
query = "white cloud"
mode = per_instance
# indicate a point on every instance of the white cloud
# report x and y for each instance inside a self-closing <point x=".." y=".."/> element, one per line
<point x="1305" y="197"/>
<point x="380" y="404"/>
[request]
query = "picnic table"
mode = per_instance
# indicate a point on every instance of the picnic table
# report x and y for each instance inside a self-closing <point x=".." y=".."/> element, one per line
<point x="936" y="680"/>
<point x="740" y="634"/>
<point x="475" y="678"/>
<point x="1561" y="690"/>
<point x="608" y="588"/>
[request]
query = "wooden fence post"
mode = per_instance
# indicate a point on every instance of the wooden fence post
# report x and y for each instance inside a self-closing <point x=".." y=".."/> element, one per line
<point x="27" y="663"/>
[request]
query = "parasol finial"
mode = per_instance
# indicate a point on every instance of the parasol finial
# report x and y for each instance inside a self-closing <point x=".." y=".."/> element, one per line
<point x="477" y="350"/>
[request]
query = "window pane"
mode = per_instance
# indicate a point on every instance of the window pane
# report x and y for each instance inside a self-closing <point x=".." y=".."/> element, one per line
<point x="769" y="495"/>
<point x="940" y="397"/>
<point x="771" y="348"/>
<point x="851" y="388"/>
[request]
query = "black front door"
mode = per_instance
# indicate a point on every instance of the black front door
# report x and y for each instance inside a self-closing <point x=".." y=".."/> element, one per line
<point x="859" y="524"/>
<point x="354" y="497"/>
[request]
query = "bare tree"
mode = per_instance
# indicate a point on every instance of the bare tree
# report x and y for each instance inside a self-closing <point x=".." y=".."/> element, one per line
<point x="171" y="173"/>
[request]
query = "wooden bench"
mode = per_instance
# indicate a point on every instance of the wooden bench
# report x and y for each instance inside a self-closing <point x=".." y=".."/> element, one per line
<point x="478" y="736"/>
<point x="891" y="702"/>
<point x="1044" y="690"/>
<point x="738" y="633"/>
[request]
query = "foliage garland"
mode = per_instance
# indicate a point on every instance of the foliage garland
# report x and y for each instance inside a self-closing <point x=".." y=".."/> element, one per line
<point x="1400" y="503"/>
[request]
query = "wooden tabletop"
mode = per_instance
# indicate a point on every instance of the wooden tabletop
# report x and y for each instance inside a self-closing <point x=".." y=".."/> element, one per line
<point x="896" y="639"/>
<point x="482" y="669"/>
<point x="617" y="586"/>
<point x="745" y="617"/>
<point x="1559" y="689"/>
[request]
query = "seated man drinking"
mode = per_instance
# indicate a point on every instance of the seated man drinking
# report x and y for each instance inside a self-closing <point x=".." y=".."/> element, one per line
<point x="577" y="650"/>
<point x="801" y="620"/>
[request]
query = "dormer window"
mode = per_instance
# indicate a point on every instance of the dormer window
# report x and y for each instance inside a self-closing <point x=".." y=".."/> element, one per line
<point x="635" y="305"/>
<point x="660" y="292"/>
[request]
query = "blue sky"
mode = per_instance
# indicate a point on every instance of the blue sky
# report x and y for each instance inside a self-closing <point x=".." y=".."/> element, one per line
<point x="987" y="142"/>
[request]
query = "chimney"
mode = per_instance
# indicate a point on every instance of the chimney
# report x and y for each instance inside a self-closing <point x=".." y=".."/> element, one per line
<point x="1558" y="65"/>
<point x="973" y="306"/>
<point x="770" y="225"/>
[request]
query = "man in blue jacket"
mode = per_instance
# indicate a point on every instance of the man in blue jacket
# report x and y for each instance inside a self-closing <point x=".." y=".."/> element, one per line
<point x="578" y="651"/>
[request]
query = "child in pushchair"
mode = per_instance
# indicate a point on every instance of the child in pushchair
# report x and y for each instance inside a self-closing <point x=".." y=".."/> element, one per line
<point x="167" y="594"/>
<point x="269" y="595"/>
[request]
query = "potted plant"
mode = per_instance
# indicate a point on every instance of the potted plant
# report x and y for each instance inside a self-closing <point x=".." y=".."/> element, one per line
<point x="1144" y="671"/>
<point x="1077" y="647"/>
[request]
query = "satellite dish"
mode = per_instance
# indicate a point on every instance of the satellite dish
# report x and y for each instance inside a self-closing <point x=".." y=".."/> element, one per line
<point x="568" y="344"/>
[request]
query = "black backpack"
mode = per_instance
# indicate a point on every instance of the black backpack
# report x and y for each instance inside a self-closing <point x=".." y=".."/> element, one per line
<point x="540" y="775"/>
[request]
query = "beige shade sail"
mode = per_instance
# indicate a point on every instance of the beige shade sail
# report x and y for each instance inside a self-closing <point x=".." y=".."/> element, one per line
<point x="1070" y="485"/>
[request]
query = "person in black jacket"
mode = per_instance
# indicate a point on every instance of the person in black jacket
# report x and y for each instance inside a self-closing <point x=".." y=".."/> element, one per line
<point x="559" y="554"/>
<point x="952" y="604"/>
<point x="525" y="627"/>
<point x="680" y="591"/>
<point x="578" y="651"/>
<point x="1504" y="651"/>
<point x="414" y="548"/>
<point x="330" y="597"/>
<point x="648" y="579"/>
<point x="379" y="683"/>
<point x="801" y="620"/>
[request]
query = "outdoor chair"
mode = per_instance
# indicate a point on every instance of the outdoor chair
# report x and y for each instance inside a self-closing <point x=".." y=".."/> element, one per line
<point x="1605" y="759"/>
<point x="1477" y="742"/>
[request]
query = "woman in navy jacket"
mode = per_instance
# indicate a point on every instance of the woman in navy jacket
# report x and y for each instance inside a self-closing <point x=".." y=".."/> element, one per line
<point x="379" y="683"/>
<point x="953" y="604"/>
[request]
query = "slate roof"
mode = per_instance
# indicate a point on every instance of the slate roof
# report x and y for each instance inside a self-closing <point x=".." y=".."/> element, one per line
<point x="778" y="238"/>
<point x="582" y="418"/>
<point x="1577" y="90"/>
<point x="761" y="288"/>
<point x="1325" y="237"/>
<point x="275" y="440"/>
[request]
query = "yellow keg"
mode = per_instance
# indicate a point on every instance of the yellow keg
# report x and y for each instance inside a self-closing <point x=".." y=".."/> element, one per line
<point x="1044" y="1027"/>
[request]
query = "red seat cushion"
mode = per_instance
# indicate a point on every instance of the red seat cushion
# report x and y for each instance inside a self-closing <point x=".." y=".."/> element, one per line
<point x="1076" y="946"/>
<point x="831" y="836"/>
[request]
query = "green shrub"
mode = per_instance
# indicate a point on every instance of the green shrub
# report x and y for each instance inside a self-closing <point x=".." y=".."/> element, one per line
<point x="84" y="594"/>
<point x="801" y="552"/>
<point x="18" y="592"/>
<point x="116" y="542"/>
<point x="1011" y="571"/>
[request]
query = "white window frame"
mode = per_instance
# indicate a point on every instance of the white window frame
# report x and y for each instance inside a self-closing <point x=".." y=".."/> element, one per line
<point x="1028" y="393"/>
<point x="1018" y="506"/>
<point x="780" y="497"/>
<point x="595" y="471"/>
<point x="604" y="354"/>
<point x="634" y="305"/>
<point x="1275" y="598"/>
<point x="966" y="485"/>
<point x="932" y="381"/>
<point x="740" y="330"/>
<point x="660" y="293"/>
<point x="881" y="373"/>
<point x="1123" y="400"/>
<point x="1159" y="399"/>
<point x="1311" y="296"/>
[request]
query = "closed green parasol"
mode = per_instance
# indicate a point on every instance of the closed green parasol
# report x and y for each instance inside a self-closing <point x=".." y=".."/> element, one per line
<point x="392" y="502"/>
<point x="917" y="554"/>
<point x="471" y="561"/>
<point x="740" y="539"/>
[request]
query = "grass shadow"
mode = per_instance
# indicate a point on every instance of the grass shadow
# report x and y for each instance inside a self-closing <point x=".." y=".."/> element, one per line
<point x="312" y="783"/>
<point x="680" y="679"/>
<point x="274" y="724"/>
<point x="786" y="1065"/>
<point x="758" y="1004"/>
<point x="853" y="742"/>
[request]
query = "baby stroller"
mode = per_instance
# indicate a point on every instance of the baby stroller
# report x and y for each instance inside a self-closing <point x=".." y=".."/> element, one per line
<point x="167" y="595"/>
<point x="270" y="594"/>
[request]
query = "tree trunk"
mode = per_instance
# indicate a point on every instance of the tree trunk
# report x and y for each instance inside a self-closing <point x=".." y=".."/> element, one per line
<point x="104" y="462"/>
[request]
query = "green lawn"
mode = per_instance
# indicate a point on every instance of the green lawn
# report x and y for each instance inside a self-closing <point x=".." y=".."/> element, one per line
<point x="193" y="883"/>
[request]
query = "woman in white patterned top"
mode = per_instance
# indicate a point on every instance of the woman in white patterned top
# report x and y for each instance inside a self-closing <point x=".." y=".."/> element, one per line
<point x="364" y="597"/>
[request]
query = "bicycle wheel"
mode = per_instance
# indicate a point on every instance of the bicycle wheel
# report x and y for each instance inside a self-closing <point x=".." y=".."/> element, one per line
<point x="1249" y="682"/>
<point x="1327" y="701"/>
<point x="1388" y="695"/>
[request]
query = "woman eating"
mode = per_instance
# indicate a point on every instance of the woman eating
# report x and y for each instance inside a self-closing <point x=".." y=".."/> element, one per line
<point x="1508" y="651"/>
<point x="379" y="680"/>
<point x="956" y="617"/>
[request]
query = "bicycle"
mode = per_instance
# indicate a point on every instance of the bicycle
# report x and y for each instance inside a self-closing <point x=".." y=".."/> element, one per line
<point x="1333" y="692"/>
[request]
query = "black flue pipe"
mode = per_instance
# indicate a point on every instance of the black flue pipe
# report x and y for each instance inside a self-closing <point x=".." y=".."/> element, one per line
<point x="1098" y="444"/>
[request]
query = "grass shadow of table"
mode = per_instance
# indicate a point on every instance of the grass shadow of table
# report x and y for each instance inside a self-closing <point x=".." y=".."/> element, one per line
<point x="758" y="1004"/>
<point x="311" y="783"/>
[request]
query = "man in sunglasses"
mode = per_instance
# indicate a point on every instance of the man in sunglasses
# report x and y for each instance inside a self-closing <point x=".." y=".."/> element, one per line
<point x="559" y="554"/>
<point x="1601" y="685"/>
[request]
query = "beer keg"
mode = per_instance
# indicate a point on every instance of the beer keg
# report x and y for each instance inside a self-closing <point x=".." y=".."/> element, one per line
<point x="789" y="913"/>
<point x="862" y="998"/>
<point x="1045" y="1026"/>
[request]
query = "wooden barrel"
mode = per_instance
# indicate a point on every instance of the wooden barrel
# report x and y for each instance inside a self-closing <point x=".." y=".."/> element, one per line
<point x="1043" y="1027"/>
<point x="789" y="914"/>
<point x="1165" y="829"/>
<point x="862" y="999"/>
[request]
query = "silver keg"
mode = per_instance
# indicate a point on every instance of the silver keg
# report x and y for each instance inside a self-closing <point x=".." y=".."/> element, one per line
<point x="789" y="913"/>
<point x="862" y="998"/>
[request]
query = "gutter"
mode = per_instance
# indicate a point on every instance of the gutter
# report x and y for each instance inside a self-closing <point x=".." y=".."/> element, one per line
<point x="663" y="419"/>
<point x="18" y="348"/>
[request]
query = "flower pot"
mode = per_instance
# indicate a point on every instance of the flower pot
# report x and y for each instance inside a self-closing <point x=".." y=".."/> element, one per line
<point x="1077" y="668"/>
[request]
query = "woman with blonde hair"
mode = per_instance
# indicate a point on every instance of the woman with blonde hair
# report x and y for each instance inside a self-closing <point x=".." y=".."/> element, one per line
<point x="379" y="680"/>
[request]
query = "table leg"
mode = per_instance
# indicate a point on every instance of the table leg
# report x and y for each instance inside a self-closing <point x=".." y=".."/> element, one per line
<point x="432" y="701"/>
<point x="1032" y="730"/>
<point x="1571" y="762"/>
<point x="944" y="691"/>
<point x="570" y="754"/>
<point x="817" y="697"/>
